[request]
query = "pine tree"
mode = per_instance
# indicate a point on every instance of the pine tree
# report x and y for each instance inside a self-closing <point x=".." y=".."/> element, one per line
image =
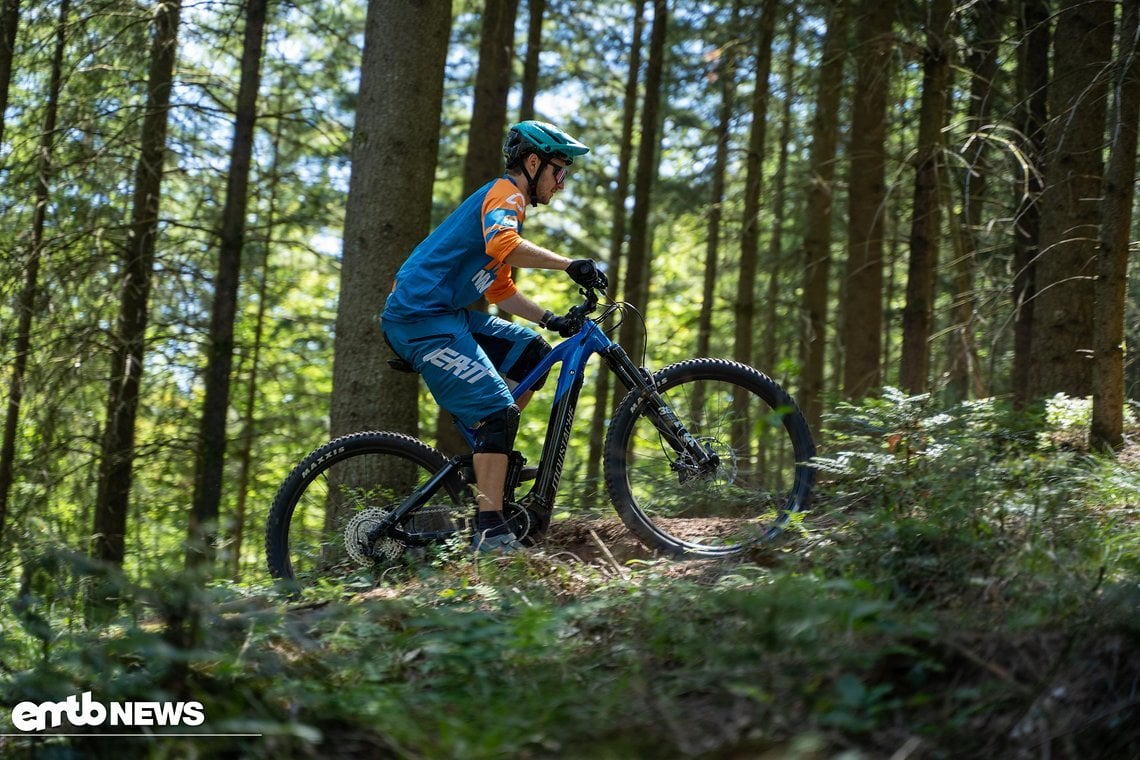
<point x="212" y="431"/>
<point x="118" y="445"/>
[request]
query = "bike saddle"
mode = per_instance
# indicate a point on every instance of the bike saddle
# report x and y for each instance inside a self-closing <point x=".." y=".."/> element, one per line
<point x="402" y="366"/>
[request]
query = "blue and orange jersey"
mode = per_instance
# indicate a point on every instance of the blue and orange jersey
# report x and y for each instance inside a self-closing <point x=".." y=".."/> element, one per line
<point x="464" y="258"/>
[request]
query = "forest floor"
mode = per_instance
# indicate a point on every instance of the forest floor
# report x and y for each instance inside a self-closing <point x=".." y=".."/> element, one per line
<point x="590" y="647"/>
<point x="979" y="605"/>
<point x="999" y="619"/>
<point x="771" y="672"/>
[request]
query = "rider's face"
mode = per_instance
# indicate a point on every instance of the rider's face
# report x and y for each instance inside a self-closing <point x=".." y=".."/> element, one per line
<point x="551" y="180"/>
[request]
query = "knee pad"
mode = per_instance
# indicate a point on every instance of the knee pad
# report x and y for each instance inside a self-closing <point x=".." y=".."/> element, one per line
<point x="495" y="433"/>
<point x="534" y="353"/>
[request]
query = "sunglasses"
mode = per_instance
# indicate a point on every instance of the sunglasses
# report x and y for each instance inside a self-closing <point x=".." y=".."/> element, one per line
<point x="559" y="173"/>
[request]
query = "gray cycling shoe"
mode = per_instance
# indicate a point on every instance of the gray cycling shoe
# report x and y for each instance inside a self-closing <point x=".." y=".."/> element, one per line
<point x="505" y="543"/>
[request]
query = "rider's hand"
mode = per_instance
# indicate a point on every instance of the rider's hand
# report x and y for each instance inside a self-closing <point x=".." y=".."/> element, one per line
<point x="564" y="326"/>
<point x="588" y="274"/>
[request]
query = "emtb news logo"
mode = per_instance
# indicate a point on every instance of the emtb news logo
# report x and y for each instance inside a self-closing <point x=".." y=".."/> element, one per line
<point x="83" y="711"/>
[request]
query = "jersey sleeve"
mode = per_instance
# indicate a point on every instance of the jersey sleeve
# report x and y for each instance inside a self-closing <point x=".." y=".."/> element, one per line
<point x="503" y="212"/>
<point x="504" y="209"/>
<point x="503" y="287"/>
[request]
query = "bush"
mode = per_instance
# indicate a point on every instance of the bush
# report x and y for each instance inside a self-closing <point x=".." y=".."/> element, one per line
<point x="967" y="589"/>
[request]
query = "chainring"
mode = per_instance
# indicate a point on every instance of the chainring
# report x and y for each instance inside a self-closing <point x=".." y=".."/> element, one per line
<point x="356" y="539"/>
<point x="522" y="522"/>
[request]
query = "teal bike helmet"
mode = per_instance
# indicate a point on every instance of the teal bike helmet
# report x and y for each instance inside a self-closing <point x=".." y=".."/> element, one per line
<point x="546" y="141"/>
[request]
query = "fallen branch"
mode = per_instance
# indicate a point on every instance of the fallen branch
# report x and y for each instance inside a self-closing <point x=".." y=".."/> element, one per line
<point x="622" y="571"/>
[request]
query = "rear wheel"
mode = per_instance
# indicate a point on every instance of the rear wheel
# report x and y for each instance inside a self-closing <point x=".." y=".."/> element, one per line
<point x="754" y="474"/>
<point x="324" y="509"/>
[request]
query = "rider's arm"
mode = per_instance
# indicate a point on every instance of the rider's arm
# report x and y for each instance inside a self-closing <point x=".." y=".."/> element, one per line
<point x="527" y="255"/>
<point x="521" y="306"/>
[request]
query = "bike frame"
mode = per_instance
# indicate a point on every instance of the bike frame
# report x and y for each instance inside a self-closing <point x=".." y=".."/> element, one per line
<point x="573" y="353"/>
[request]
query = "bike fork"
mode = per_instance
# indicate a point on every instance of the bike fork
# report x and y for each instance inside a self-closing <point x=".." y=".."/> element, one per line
<point x="666" y="421"/>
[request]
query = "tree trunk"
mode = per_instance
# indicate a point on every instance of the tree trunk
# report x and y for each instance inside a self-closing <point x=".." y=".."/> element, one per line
<point x="249" y="414"/>
<point x="769" y="450"/>
<point x="926" y="219"/>
<point x="388" y="211"/>
<point x="1107" y="430"/>
<point x="211" y="450"/>
<point x="745" y="307"/>
<point x="26" y="306"/>
<point x="726" y="78"/>
<point x="776" y="285"/>
<point x="817" y="213"/>
<point x="891" y="268"/>
<point x="863" y="298"/>
<point x="1074" y="170"/>
<point x="602" y="404"/>
<point x="9" y="21"/>
<point x="1032" y="94"/>
<point x="636" y="280"/>
<point x="484" y="159"/>
<point x="983" y="66"/>
<point x="117" y="456"/>
<point x="536" y="9"/>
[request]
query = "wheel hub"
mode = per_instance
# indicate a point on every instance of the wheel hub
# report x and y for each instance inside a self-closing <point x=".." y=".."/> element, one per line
<point x="721" y="463"/>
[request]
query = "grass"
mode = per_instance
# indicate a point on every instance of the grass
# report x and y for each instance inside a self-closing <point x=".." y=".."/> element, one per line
<point x="962" y="589"/>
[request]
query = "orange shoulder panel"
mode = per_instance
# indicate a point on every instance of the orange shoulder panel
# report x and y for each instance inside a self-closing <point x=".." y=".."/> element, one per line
<point x="504" y="210"/>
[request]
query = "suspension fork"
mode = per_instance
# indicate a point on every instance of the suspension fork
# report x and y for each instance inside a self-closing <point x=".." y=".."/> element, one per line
<point x="658" y="410"/>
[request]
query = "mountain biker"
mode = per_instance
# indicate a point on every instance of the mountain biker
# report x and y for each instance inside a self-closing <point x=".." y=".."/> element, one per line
<point x="460" y="353"/>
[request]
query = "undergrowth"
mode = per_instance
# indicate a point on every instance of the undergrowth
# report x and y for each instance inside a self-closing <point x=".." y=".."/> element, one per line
<point x="967" y="586"/>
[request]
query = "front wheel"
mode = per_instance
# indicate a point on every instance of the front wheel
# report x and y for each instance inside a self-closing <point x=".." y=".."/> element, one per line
<point x="749" y="472"/>
<point x="330" y="501"/>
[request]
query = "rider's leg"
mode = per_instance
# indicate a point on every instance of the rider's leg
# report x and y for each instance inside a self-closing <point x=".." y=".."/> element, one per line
<point x="524" y="399"/>
<point x="514" y="349"/>
<point x="491" y="477"/>
<point x="494" y="440"/>
<point x="457" y="356"/>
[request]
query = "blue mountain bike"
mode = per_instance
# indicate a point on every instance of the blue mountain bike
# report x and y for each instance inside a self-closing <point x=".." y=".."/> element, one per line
<point x="704" y="458"/>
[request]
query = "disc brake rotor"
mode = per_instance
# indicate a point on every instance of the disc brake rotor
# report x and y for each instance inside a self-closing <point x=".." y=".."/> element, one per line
<point x="356" y="539"/>
<point x="724" y="470"/>
<point x="726" y="458"/>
